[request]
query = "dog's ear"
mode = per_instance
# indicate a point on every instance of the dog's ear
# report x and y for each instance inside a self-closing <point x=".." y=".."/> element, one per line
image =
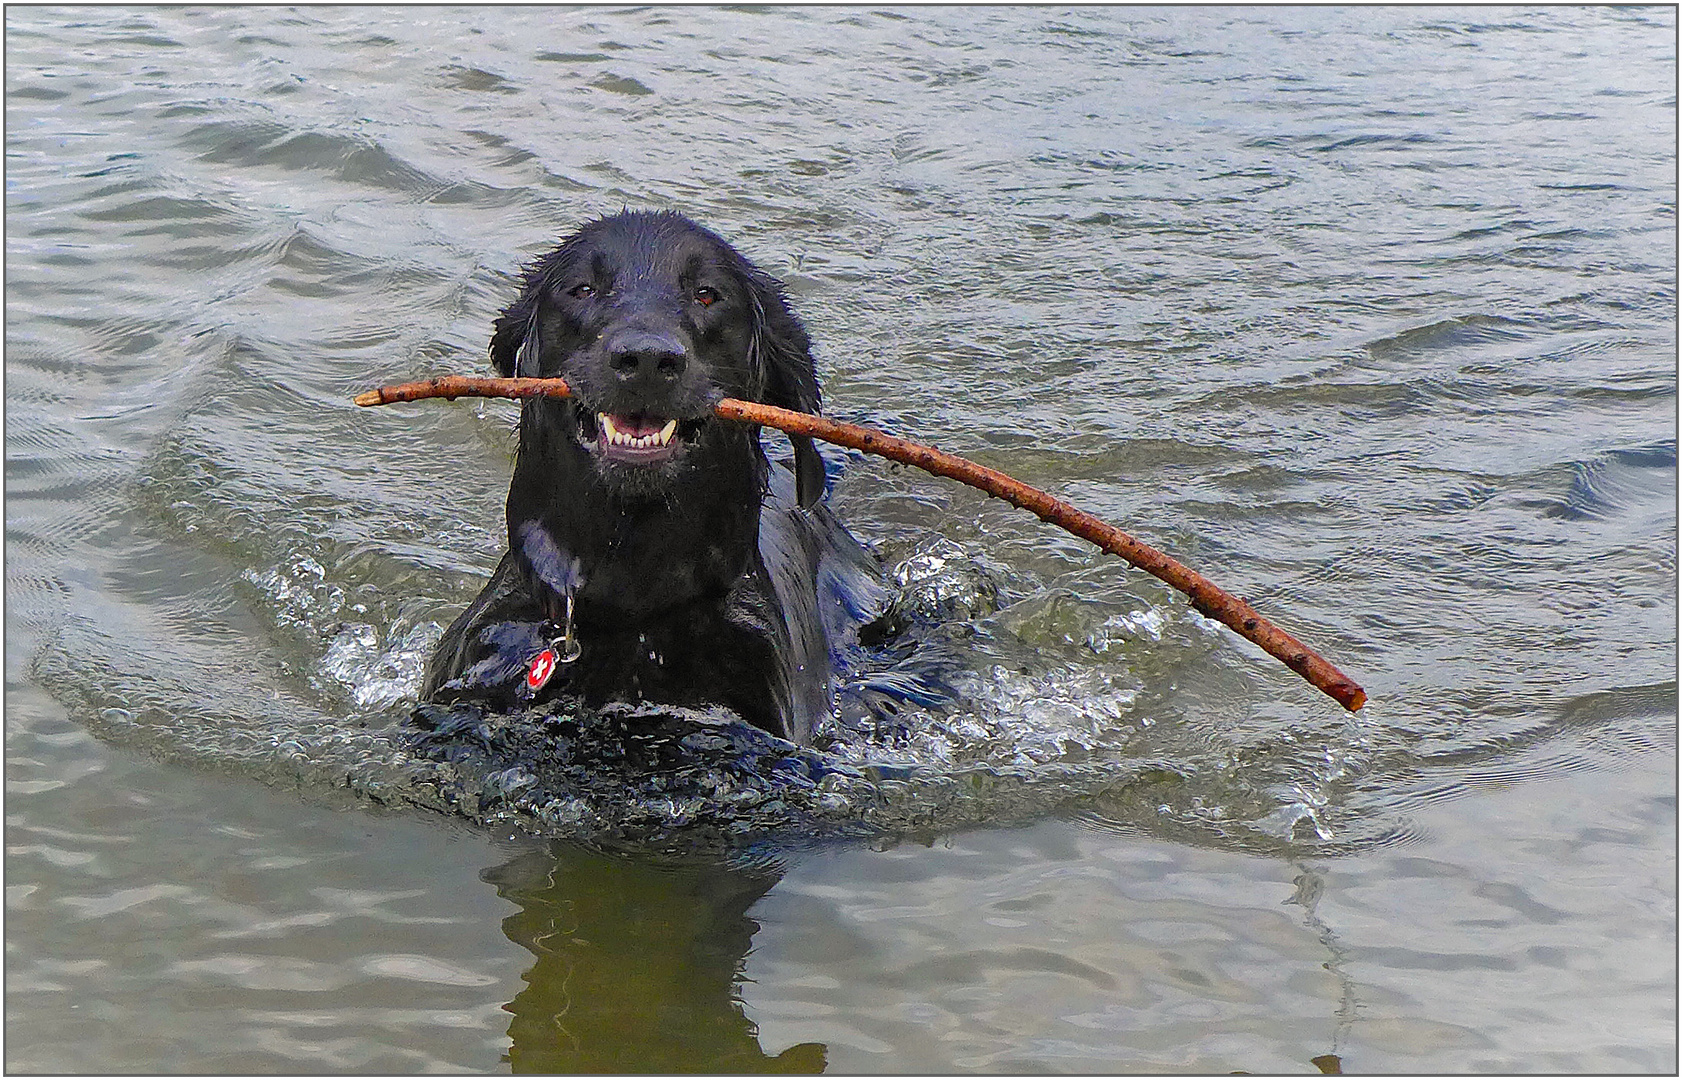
<point x="514" y="336"/>
<point x="514" y="345"/>
<point x="784" y="353"/>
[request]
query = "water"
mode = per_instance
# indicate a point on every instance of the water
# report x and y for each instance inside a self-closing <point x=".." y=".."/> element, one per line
<point x="1369" y="315"/>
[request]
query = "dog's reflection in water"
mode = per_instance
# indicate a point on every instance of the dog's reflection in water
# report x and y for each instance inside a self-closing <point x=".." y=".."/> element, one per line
<point x="637" y="966"/>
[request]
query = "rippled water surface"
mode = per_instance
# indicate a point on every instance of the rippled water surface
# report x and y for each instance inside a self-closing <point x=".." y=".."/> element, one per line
<point x="1369" y="315"/>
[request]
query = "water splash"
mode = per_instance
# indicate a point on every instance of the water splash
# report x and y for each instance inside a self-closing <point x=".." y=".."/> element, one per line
<point x="1053" y="704"/>
<point x="378" y="670"/>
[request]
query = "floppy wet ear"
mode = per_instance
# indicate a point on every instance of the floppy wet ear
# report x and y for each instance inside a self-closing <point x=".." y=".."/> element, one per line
<point x="514" y="336"/>
<point x="791" y="378"/>
<point x="514" y="344"/>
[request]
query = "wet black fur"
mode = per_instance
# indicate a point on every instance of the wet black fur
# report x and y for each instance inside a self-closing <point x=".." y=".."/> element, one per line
<point x="710" y="578"/>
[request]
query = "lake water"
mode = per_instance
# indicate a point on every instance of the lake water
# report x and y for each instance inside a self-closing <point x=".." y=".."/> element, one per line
<point x="1367" y="314"/>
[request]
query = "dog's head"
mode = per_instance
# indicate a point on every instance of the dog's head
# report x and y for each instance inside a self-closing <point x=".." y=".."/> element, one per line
<point x="651" y="319"/>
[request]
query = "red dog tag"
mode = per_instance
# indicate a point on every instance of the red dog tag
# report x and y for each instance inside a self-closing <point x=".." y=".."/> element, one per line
<point x="542" y="666"/>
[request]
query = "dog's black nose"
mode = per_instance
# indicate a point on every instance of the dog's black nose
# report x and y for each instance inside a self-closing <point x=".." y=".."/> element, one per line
<point x="646" y="356"/>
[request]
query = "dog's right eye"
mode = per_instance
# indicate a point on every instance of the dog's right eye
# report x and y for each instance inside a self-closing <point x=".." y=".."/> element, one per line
<point x="582" y="291"/>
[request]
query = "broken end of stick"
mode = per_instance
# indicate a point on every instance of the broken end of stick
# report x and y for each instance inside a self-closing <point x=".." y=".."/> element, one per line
<point x="1346" y="693"/>
<point x="369" y="397"/>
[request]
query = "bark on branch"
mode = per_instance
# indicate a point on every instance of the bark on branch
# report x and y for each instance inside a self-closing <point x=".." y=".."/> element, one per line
<point x="1206" y="597"/>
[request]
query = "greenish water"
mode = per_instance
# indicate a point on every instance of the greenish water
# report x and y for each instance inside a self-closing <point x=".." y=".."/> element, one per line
<point x="1368" y="314"/>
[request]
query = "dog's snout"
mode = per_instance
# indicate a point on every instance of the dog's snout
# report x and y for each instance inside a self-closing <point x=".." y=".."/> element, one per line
<point x="646" y="356"/>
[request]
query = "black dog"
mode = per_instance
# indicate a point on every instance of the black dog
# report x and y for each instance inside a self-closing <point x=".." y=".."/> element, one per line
<point x="654" y="553"/>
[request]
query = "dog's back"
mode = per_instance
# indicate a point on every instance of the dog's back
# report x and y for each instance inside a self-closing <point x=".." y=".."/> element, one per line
<point x="828" y="587"/>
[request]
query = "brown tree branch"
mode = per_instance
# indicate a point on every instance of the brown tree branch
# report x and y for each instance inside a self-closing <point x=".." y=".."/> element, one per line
<point x="1206" y="597"/>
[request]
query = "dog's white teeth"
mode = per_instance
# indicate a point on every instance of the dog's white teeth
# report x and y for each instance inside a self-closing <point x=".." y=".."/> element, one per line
<point x="614" y="437"/>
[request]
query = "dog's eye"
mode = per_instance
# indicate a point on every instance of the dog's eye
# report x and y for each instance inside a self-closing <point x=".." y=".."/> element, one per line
<point x="707" y="296"/>
<point x="582" y="292"/>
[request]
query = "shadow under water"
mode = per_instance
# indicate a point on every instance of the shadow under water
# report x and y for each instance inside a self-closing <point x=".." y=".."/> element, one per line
<point x="638" y="965"/>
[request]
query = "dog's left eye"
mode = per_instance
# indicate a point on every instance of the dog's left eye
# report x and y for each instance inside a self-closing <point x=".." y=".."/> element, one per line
<point x="707" y="296"/>
<point x="582" y="292"/>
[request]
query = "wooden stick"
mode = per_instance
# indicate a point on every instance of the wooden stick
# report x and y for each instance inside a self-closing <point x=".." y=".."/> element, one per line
<point x="1206" y="597"/>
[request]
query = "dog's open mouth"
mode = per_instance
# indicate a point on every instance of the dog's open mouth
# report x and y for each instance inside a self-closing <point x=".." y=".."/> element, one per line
<point x="635" y="438"/>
